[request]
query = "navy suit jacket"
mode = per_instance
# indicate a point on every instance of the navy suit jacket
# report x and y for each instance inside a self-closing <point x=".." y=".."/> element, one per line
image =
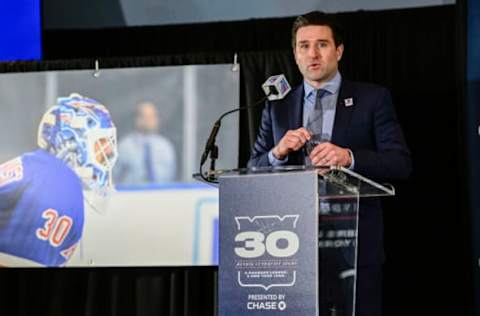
<point x="369" y="128"/>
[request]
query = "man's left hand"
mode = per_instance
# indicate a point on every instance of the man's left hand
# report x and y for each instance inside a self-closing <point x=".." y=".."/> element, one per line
<point x="328" y="154"/>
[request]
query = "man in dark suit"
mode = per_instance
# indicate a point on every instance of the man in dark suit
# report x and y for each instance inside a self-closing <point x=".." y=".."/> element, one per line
<point x="358" y="130"/>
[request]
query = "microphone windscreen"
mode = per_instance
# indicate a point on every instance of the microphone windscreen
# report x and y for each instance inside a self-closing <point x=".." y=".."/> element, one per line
<point x="276" y="87"/>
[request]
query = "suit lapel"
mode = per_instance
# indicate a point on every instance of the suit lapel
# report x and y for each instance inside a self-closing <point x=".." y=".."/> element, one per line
<point x="343" y="113"/>
<point x="295" y="120"/>
<point x="295" y="109"/>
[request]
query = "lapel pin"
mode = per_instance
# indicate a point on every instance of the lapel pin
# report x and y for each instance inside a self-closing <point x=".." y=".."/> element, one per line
<point x="348" y="102"/>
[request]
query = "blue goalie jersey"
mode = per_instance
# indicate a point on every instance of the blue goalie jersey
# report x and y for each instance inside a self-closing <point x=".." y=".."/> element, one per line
<point x="41" y="210"/>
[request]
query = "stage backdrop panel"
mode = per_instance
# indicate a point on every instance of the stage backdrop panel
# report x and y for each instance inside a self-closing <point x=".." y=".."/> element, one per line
<point x="79" y="14"/>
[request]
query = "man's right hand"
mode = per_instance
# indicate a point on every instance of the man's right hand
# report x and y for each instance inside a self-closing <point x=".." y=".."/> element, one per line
<point x="293" y="140"/>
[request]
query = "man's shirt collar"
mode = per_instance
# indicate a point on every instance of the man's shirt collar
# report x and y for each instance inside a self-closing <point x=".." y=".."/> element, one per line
<point x="332" y="86"/>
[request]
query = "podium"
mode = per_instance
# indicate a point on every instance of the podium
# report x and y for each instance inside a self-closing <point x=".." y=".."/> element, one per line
<point x="288" y="239"/>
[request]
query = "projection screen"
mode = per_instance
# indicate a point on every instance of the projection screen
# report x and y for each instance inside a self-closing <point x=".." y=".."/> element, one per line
<point x="169" y="220"/>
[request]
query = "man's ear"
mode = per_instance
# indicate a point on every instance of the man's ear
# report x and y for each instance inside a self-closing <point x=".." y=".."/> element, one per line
<point x="340" y="49"/>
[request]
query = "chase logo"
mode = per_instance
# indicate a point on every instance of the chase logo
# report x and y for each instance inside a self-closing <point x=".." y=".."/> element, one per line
<point x="269" y="305"/>
<point x="272" y="302"/>
<point x="11" y="171"/>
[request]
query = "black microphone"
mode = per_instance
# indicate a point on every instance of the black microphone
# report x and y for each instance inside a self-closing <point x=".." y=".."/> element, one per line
<point x="276" y="88"/>
<point x="211" y="140"/>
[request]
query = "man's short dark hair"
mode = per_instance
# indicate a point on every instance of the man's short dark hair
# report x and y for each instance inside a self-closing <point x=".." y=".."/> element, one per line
<point x="318" y="18"/>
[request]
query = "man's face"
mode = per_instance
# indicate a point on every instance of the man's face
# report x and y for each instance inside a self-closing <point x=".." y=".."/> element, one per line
<point x="147" y="119"/>
<point x="316" y="55"/>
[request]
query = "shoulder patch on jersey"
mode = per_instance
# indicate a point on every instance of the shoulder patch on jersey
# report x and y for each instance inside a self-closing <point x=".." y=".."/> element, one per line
<point x="11" y="171"/>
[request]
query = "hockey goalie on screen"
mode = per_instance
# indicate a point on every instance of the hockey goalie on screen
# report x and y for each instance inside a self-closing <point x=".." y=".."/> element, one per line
<point x="43" y="193"/>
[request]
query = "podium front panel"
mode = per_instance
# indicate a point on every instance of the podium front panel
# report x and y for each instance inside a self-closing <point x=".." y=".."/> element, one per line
<point x="269" y="244"/>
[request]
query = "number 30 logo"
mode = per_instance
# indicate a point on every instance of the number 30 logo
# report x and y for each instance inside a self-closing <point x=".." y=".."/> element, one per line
<point x="256" y="245"/>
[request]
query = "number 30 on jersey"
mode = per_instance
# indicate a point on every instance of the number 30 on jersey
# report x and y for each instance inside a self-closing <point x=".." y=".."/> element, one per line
<point x="55" y="228"/>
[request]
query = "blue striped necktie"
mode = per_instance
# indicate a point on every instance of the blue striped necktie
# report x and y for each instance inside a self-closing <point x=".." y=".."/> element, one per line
<point x="147" y="155"/>
<point x="315" y="125"/>
<point x="315" y="119"/>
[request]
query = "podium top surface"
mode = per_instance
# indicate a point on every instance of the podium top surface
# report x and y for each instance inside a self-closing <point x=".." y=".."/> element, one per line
<point x="333" y="182"/>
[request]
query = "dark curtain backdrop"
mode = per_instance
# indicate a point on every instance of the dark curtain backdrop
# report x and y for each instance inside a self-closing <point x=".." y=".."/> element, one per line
<point x="412" y="52"/>
<point x="472" y="128"/>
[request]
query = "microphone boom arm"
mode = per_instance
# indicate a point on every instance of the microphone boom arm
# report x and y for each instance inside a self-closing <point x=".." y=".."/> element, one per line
<point x="210" y="147"/>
